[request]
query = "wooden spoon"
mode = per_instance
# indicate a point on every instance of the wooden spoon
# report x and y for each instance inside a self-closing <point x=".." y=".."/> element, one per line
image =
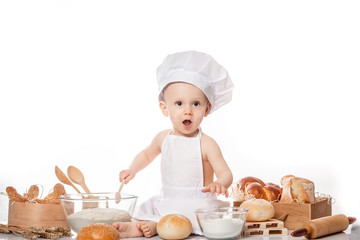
<point x="117" y="194"/>
<point x="77" y="177"/>
<point x="63" y="178"/>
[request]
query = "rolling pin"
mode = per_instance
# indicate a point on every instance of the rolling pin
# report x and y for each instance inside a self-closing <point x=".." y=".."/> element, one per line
<point x="324" y="226"/>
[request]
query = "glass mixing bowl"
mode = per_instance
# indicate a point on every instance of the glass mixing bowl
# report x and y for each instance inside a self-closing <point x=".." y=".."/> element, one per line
<point x="221" y="223"/>
<point x="87" y="208"/>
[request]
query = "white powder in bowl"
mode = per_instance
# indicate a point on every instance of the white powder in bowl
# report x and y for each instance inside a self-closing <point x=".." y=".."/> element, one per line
<point x="97" y="215"/>
<point x="222" y="228"/>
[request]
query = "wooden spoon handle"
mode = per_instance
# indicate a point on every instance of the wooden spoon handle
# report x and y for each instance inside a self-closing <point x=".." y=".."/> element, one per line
<point x="299" y="232"/>
<point x="77" y="190"/>
<point x="117" y="194"/>
<point x="83" y="185"/>
<point x="122" y="185"/>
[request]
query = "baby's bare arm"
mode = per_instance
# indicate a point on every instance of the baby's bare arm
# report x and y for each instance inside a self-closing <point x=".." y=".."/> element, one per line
<point x="224" y="177"/>
<point x="144" y="158"/>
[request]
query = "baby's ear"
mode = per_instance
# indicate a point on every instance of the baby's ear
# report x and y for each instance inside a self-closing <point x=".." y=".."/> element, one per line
<point x="163" y="108"/>
<point x="208" y="108"/>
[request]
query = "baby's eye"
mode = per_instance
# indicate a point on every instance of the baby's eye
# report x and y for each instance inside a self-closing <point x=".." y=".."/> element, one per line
<point x="196" y="104"/>
<point x="178" y="103"/>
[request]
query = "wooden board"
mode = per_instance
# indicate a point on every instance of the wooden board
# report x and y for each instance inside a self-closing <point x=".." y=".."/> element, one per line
<point x="272" y="223"/>
<point x="266" y="228"/>
<point x="266" y="232"/>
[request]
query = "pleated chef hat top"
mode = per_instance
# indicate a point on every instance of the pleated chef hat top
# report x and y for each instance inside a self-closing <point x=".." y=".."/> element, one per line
<point x="198" y="69"/>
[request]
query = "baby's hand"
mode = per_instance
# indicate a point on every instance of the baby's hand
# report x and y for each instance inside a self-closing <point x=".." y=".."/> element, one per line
<point x="216" y="188"/>
<point x="127" y="175"/>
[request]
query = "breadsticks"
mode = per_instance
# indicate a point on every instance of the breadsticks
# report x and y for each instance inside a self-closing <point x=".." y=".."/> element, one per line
<point x="14" y="195"/>
<point x="33" y="194"/>
<point x="54" y="196"/>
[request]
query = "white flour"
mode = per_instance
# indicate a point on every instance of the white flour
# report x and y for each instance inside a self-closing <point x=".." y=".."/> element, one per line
<point x="222" y="227"/>
<point x="97" y="215"/>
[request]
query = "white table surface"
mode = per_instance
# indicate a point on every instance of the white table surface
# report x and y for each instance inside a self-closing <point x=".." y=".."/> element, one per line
<point x="352" y="233"/>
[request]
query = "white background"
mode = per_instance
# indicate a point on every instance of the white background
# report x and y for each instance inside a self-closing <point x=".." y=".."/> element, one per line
<point x="78" y="87"/>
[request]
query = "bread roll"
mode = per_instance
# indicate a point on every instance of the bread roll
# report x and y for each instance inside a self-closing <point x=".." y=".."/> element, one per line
<point x="272" y="192"/>
<point x="174" y="226"/>
<point x="258" y="210"/>
<point x="242" y="183"/>
<point x="298" y="190"/>
<point x="255" y="189"/>
<point x="98" y="231"/>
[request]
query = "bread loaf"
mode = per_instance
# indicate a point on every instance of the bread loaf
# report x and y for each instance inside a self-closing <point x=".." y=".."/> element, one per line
<point x="258" y="210"/>
<point x="258" y="189"/>
<point x="297" y="189"/>
<point x="174" y="226"/>
<point x="98" y="231"/>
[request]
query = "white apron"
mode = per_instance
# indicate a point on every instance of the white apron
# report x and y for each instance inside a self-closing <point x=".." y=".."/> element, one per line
<point x="182" y="181"/>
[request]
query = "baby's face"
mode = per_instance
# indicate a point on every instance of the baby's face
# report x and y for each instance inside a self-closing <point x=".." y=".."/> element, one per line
<point x="186" y="105"/>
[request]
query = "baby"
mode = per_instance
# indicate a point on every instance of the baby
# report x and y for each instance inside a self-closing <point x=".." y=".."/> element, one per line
<point x="192" y="85"/>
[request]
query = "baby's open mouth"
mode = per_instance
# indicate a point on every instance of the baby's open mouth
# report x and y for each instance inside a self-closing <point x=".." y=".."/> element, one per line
<point x="187" y="122"/>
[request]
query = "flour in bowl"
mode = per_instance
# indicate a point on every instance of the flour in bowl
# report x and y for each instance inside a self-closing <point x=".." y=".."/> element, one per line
<point x="97" y="215"/>
<point x="222" y="228"/>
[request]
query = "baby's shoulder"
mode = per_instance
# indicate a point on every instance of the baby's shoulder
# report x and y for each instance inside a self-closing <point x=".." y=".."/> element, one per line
<point x="163" y="133"/>
<point x="207" y="141"/>
<point x="159" y="138"/>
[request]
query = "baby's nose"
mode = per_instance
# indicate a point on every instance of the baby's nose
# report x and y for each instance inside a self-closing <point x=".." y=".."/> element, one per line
<point x="188" y="109"/>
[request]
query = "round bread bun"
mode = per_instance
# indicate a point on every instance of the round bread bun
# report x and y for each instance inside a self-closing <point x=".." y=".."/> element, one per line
<point x="98" y="231"/>
<point x="258" y="210"/>
<point x="174" y="226"/>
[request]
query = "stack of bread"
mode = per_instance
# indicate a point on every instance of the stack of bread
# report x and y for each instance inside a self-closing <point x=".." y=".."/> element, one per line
<point x="294" y="189"/>
<point x="255" y="195"/>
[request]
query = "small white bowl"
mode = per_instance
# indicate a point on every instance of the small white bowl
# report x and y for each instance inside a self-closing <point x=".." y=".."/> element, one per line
<point x="86" y="208"/>
<point x="221" y="223"/>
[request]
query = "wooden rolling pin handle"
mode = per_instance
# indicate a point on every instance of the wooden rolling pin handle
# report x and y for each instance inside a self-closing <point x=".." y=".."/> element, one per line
<point x="299" y="232"/>
<point x="352" y="220"/>
<point x="303" y="231"/>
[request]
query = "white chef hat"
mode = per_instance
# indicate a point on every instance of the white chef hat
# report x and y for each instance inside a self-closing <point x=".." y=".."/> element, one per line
<point x="198" y="69"/>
